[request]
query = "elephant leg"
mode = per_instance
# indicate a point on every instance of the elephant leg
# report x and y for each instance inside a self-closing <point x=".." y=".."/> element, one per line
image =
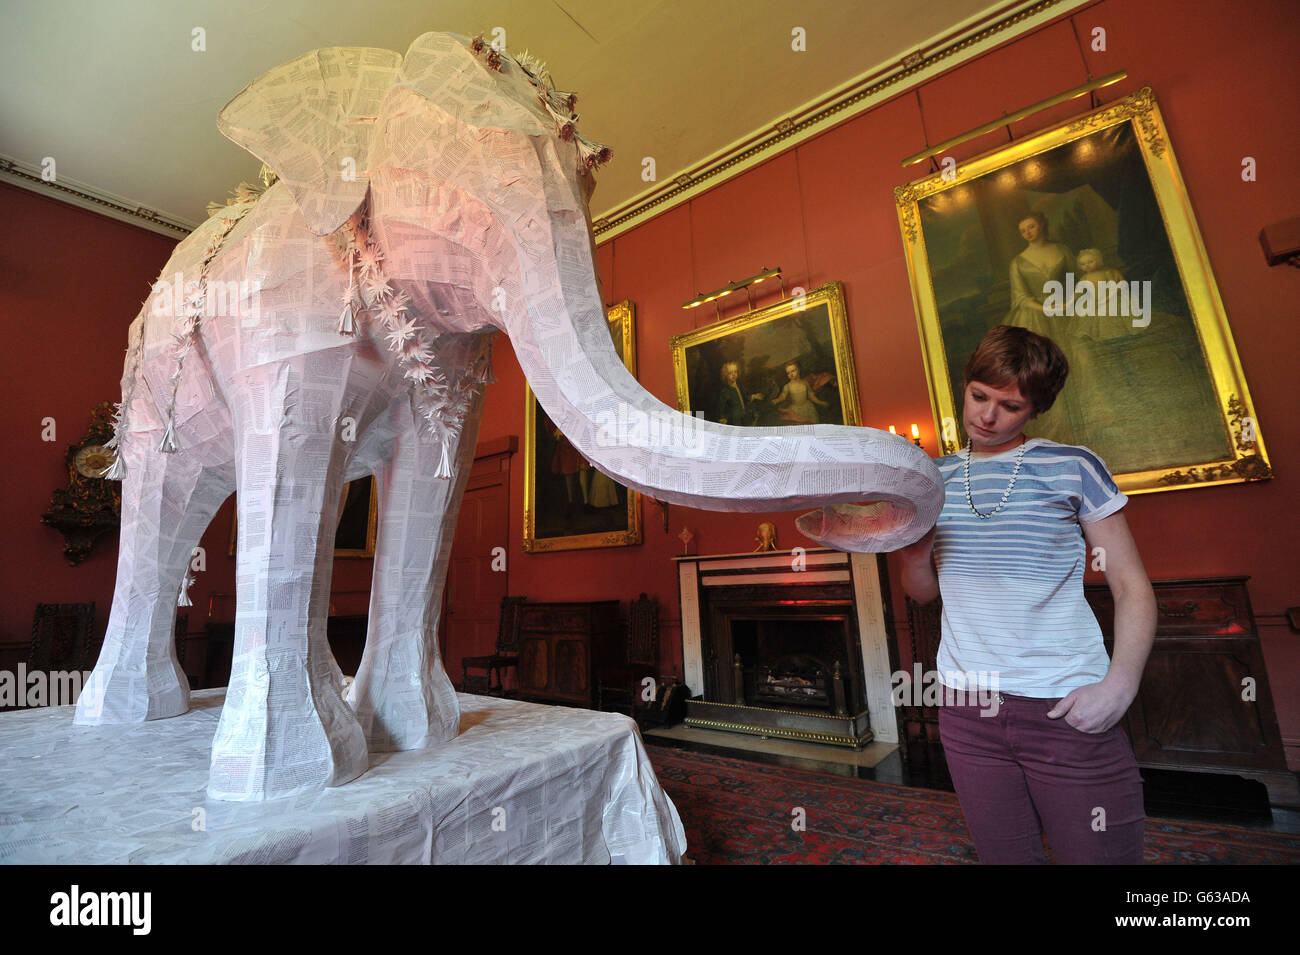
<point x="168" y="500"/>
<point x="402" y="694"/>
<point x="284" y="728"/>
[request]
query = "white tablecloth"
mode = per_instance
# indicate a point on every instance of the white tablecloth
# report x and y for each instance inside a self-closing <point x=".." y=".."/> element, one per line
<point x="522" y="783"/>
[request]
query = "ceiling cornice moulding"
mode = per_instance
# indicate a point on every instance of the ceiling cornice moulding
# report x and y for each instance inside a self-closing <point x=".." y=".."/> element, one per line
<point x="84" y="196"/>
<point x="965" y="41"/>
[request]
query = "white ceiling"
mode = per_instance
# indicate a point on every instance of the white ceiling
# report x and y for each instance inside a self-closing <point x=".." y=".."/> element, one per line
<point x="112" y="90"/>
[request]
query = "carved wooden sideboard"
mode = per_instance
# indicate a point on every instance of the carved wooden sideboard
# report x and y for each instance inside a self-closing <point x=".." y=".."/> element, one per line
<point x="561" y="647"/>
<point x="1204" y="704"/>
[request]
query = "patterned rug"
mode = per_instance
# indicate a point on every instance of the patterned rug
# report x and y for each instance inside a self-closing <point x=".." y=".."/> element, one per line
<point x="738" y="812"/>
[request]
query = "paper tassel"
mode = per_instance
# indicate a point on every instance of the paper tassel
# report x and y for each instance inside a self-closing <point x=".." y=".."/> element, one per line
<point x="168" y="445"/>
<point x="347" y="325"/>
<point x="116" y="471"/>
<point x="184" y="599"/>
<point x="444" y="466"/>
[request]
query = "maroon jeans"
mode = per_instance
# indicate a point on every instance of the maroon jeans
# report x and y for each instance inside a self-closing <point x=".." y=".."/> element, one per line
<point x="1019" y="775"/>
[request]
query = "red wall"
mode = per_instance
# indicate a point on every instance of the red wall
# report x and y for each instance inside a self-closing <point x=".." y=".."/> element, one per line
<point x="823" y="211"/>
<point x="72" y="282"/>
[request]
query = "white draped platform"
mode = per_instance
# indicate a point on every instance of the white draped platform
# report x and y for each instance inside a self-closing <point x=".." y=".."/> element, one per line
<point x="522" y="783"/>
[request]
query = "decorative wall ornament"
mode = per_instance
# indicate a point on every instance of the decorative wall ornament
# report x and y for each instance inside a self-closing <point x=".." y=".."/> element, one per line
<point x="1084" y="232"/>
<point x="765" y="539"/>
<point x="90" y="505"/>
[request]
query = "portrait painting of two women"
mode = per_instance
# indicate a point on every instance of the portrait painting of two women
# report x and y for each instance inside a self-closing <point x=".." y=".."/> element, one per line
<point x="1083" y="234"/>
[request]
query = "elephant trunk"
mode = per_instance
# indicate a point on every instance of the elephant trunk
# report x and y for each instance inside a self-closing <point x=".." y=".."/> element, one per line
<point x="560" y="336"/>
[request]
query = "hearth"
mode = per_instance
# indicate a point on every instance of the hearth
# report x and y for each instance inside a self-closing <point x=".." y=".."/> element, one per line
<point x="780" y="651"/>
<point x="795" y="679"/>
<point x="797" y="657"/>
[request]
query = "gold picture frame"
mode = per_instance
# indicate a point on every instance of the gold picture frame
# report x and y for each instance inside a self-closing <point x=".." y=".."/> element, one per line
<point x="808" y="330"/>
<point x="358" y="496"/>
<point x="1156" y="390"/>
<point x="569" y="505"/>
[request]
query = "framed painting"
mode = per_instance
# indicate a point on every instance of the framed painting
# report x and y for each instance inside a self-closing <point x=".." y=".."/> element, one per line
<point x="790" y="363"/>
<point x="1085" y="233"/>
<point x="358" y="521"/>
<point x="568" y="504"/>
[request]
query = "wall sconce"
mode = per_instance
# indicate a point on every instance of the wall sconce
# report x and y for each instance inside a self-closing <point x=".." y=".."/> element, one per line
<point x="916" y="434"/>
<point x="705" y="297"/>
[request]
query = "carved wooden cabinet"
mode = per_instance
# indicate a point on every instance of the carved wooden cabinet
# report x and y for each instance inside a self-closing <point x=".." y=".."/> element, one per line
<point x="1204" y="704"/>
<point x="562" y="646"/>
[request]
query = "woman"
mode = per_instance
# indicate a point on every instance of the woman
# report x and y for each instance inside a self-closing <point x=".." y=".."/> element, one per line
<point x="1042" y="262"/>
<point x="1009" y="548"/>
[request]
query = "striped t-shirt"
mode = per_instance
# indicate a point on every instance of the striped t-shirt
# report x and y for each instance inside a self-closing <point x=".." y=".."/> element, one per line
<point x="1012" y="585"/>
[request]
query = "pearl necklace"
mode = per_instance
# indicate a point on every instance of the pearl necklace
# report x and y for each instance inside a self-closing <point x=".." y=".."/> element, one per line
<point x="1020" y="458"/>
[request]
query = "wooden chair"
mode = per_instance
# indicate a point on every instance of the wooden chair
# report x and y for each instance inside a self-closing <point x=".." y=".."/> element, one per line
<point x="61" y="637"/>
<point x="505" y="656"/>
<point x="620" y="681"/>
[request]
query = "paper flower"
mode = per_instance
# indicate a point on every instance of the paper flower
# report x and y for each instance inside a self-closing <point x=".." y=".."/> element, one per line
<point x="369" y="259"/>
<point x="403" y="330"/>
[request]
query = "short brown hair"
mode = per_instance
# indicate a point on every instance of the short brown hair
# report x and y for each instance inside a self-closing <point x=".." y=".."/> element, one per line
<point x="1034" y="363"/>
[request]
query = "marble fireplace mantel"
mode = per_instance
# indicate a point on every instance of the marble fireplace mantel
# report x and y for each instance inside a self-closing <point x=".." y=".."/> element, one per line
<point x="697" y="574"/>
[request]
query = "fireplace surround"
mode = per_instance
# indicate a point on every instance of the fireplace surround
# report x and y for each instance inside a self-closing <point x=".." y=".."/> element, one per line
<point x="789" y="644"/>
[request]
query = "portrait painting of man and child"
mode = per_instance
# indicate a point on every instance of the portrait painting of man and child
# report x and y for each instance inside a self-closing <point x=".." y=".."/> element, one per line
<point x="790" y="363"/>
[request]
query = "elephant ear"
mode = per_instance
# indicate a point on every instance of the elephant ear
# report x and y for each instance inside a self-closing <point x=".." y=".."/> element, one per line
<point x="310" y="120"/>
<point x="443" y="68"/>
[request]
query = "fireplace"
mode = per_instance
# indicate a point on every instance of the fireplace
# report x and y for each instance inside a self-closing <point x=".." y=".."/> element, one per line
<point x="788" y="645"/>
<point x="762" y="651"/>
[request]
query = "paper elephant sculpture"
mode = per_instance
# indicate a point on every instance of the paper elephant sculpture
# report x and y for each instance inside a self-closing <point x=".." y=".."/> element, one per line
<point x="338" y="325"/>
